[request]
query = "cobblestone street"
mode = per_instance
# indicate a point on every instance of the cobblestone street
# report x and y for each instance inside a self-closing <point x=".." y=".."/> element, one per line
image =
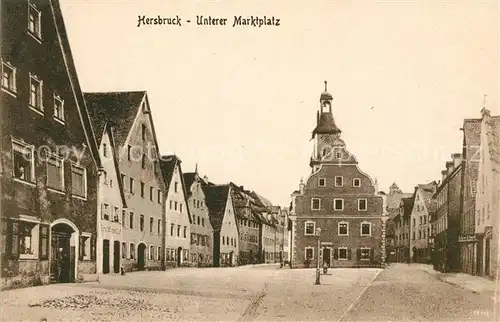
<point x="263" y="293"/>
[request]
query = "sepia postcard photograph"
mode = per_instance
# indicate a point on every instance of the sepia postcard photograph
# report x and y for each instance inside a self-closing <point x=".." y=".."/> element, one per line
<point x="210" y="160"/>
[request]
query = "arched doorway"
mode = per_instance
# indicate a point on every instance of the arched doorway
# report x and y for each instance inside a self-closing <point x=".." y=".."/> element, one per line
<point x="179" y="256"/>
<point x="64" y="244"/>
<point x="141" y="256"/>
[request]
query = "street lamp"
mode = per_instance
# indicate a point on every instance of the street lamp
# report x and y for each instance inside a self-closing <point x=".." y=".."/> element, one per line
<point x="318" y="234"/>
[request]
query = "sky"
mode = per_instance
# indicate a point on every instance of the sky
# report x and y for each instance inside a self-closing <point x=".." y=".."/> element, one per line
<point x="241" y="102"/>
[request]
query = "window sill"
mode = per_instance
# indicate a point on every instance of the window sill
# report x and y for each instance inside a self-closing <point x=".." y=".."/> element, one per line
<point x="79" y="197"/>
<point x="10" y="92"/>
<point x="364" y="235"/>
<point x="86" y="259"/>
<point x="36" y="37"/>
<point x="58" y="120"/>
<point x="23" y="256"/>
<point x="37" y="110"/>
<point x="343" y="235"/>
<point x="29" y="183"/>
<point x="56" y="191"/>
<point x="342" y="259"/>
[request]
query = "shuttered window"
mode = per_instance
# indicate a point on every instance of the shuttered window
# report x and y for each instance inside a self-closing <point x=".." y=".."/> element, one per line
<point x="55" y="173"/>
<point x="78" y="181"/>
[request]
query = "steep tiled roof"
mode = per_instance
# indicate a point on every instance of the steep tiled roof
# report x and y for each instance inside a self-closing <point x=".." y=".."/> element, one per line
<point x="472" y="141"/>
<point x="408" y="204"/>
<point x="189" y="179"/>
<point x="326" y="124"/>
<point x="216" y="197"/>
<point x="394" y="200"/>
<point x="116" y="108"/>
<point x="73" y="76"/>
<point x="167" y="166"/>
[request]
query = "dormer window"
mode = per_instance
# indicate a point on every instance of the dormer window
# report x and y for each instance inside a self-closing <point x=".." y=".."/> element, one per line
<point x="58" y="108"/>
<point x="356" y="182"/>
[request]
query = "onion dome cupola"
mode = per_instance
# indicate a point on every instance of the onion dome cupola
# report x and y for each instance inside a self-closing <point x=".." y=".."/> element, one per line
<point x="325" y="122"/>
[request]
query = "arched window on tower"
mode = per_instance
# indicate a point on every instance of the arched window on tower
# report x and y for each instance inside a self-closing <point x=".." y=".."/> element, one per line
<point x="325" y="107"/>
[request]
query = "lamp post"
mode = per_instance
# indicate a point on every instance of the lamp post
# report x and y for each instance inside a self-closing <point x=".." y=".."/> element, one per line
<point x="318" y="234"/>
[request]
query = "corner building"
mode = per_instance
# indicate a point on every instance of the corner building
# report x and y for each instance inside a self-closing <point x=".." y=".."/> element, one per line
<point x="338" y="198"/>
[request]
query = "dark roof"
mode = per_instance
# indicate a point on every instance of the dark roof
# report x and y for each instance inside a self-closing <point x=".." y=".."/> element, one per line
<point x="494" y="141"/>
<point x="472" y="141"/>
<point x="167" y="166"/>
<point x="72" y="74"/>
<point x="216" y="198"/>
<point x="189" y="179"/>
<point x="116" y="108"/>
<point x="408" y="205"/>
<point x="326" y="125"/>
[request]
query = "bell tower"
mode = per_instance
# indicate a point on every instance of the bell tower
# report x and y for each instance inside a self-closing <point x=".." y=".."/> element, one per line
<point x="326" y="132"/>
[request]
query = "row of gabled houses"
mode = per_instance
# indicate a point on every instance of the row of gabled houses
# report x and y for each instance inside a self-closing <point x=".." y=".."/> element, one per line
<point x="85" y="189"/>
<point x="454" y="223"/>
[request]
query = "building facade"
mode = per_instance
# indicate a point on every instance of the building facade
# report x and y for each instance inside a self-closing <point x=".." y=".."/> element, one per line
<point x="136" y="146"/>
<point x="49" y="161"/>
<point x="487" y="196"/>
<point x="201" y="230"/>
<point x="338" y="198"/>
<point x="224" y="224"/>
<point x="393" y="210"/>
<point x="420" y="222"/>
<point x="402" y="230"/>
<point x="447" y="223"/>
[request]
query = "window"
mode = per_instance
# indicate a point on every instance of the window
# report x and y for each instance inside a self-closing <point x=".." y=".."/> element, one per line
<point x="172" y="229"/>
<point x="159" y="196"/>
<point x="309" y="228"/>
<point x="141" y="223"/>
<point x="366" y="229"/>
<point x="178" y="230"/>
<point x="129" y="153"/>
<point x="8" y="78"/>
<point x="143" y="131"/>
<point x="151" y="252"/>
<point x="34" y="22"/>
<point x="176" y="187"/>
<point x="339" y="181"/>
<point x="203" y="222"/>
<point x="142" y="189"/>
<point x="343" y="228"/>
<point x="338" y="204"/>
<point x="159" y="226"/>
<point x="123" y="182"/>
<point x="151" y="224"/>
<point x="198" y="220"/>
<point x="180" y="207"/>
<point x="131" y="219"/>
<point x="321" y="182"/>
<point x="143" y="161"/>
<point x="124" y="250"/>
<point x="362" y="204"/>
<point x="55" y="172"/>
<point x="23" y="155"/>
<point x="309" y="253"/>
<point x="170" y="204"/>
<point x="338" y="155"/>
<point x="105" y="211"/>
<point x="343" y="253"/>
<point x="36" y="93"/>
<point x="78" y="181"/>
<point x="364" y="254"/>
<point x="132" y="251"/>
<point x="413" y="235"/>
<point x="315" y="203"/>
<point x="414" y="222"/>
<point x="356" y="182"/>
<point x="104" y="149"/>
<point x="58" y="108"/>
<point x="116" y="217"/>
<point x="123" y="217"/>
<point x="158" y="254"/>
<point x="28" y="239"/>
<point x="151" y="193"/>
<point x="175" y="205"/>
<point x="131" y="185"/>
<point x="85" y="252"/>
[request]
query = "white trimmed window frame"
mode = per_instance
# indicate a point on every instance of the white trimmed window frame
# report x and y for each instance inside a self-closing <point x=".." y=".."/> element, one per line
<point x="346" y="253"/>
<point x="158" y="253"/>
<point x="76" y="165"/>
<point x="312" y="203"/>
<point x="54" y="158"/>
<point x="38" y="107"/>
<point x="37" y="32"/>
<point x="305" y="228"/>
<point x="22" y="147"/>
<point x="132" y="251"/>
<point x="34" y="223"/>
<point x="11" y="87"/>
<point x="341" y="179"/>
<point x="335" y="202"/>
<point x="338" y="228"/>
<point x="361" y="228"/>
<point x="86" y="245"/>
<point x="359" y="204"/>
<point x="305" y="252"/>
<point x="361" y="253"/>
<point x="320" y="180"/>
<point x="358" y="180"/>
<point x="58" y="101"/>
<point x="338" y="155"/>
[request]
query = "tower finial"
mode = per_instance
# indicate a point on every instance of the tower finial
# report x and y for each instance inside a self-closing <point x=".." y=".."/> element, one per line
<point x="326" y="86"/>
<point x="484" y="100"/>
<point x="196" y="168"/>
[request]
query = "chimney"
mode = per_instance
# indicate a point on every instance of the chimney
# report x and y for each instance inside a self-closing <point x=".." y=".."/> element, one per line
<point x="449" y="167"/>
<point x="443" y="175"/>
<point x="457" y="159"/>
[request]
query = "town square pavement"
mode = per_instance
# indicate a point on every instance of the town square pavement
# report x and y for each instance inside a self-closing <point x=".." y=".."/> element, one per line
<point x="254" y="293"/>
